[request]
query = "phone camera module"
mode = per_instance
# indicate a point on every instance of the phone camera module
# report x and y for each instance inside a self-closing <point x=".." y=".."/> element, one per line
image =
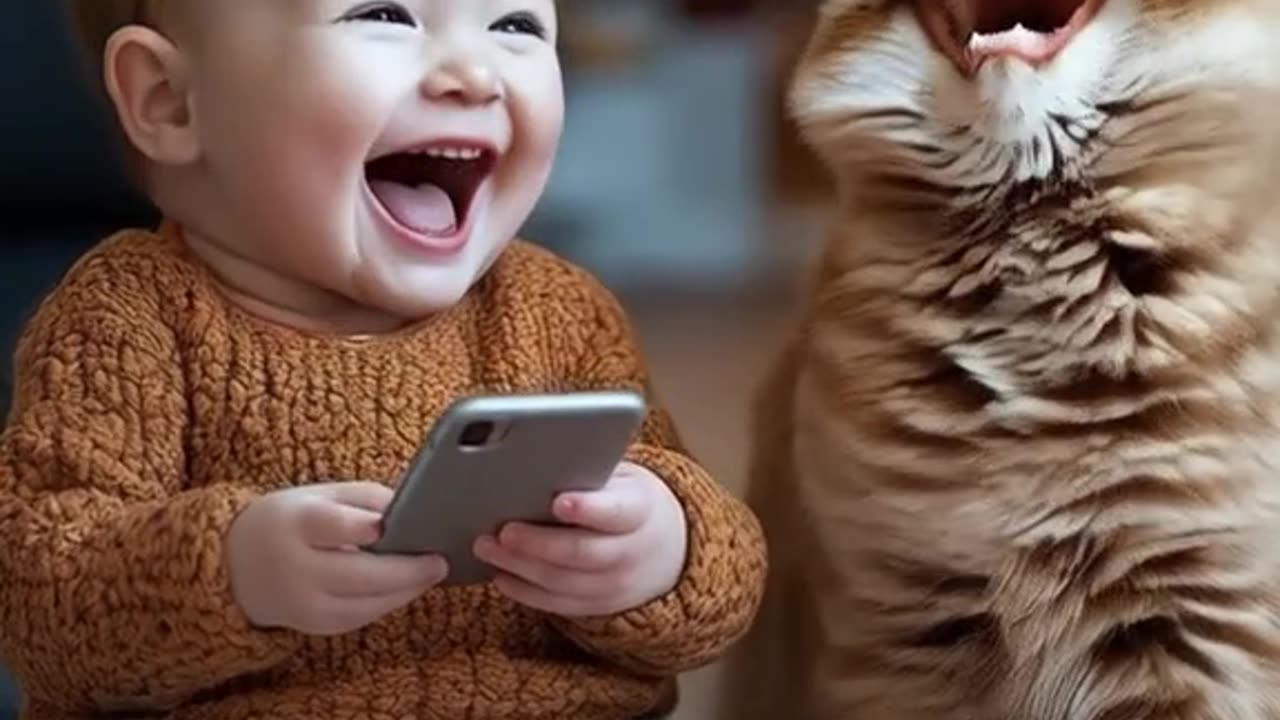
<point x="476" y="435"/>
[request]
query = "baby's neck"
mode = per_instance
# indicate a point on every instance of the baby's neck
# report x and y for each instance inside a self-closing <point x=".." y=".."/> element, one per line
<point x="281" y="300"/>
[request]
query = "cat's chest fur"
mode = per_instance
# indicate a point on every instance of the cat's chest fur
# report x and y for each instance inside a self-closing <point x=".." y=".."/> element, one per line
<point x="1060" y="370"/>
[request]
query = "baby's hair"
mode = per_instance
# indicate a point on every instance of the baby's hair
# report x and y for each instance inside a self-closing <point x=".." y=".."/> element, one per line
<point x="96" y="20"/>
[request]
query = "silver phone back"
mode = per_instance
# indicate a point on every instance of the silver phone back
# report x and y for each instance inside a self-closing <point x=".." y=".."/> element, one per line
<point x="541" y="446"/>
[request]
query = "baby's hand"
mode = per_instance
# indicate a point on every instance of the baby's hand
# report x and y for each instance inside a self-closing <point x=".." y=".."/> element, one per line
<point x="293" y="560"/>
<point x="626" y="547"/>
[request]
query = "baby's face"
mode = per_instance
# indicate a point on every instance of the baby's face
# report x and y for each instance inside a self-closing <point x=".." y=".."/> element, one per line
<point x="383" y="151"/>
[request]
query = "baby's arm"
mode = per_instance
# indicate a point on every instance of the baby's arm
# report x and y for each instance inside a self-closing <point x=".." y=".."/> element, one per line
<point x="113" y="594"/>
<point x="719" y="592"/>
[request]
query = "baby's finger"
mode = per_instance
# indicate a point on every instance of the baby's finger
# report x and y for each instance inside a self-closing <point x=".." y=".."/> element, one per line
<point x="330" y="525"/>
<point x="364" y="495"/>
<point x="572" y="548"/>
<point x="620" y="509"/>
<point x="356" y="574"/>
<point x="554" y="579"/>
<point x="532" y="596"/>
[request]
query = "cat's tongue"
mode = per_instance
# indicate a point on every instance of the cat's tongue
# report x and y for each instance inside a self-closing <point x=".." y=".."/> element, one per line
<point x="426" y="209"/>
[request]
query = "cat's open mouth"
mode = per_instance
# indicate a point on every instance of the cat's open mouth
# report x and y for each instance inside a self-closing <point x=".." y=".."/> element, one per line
<point x="970" y="32"/>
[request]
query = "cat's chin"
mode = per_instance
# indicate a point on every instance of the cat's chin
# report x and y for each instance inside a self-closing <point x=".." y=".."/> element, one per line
<point x="973" y="32"/>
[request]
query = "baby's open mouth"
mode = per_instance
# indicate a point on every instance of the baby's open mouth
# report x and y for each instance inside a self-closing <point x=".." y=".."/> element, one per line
<point x="430" y="190"/>
<point x="971" y="31"/>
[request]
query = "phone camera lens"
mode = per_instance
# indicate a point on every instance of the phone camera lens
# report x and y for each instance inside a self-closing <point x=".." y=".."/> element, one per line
<point x="476" y="435"/>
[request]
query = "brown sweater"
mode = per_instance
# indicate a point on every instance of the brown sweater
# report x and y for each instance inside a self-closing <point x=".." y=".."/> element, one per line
<point x="149" y="411"/>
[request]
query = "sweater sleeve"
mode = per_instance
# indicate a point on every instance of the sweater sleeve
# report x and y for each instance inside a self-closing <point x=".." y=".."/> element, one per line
<point x="113" y="595"/>
<point x="720" y="590"/>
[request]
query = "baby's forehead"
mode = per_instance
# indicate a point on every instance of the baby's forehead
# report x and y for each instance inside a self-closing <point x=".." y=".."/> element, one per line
<point x="204" y="17"/>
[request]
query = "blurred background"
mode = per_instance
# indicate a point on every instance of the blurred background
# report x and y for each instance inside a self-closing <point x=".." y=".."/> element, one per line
<point x="680" y="183"/>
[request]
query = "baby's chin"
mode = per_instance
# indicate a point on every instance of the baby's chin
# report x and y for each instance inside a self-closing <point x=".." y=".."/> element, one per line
<point x="412" y="284"/>
<point x="417" y="294"/>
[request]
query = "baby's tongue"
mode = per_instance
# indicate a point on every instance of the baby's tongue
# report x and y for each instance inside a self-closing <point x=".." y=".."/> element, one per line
<point x="426" y="208"/>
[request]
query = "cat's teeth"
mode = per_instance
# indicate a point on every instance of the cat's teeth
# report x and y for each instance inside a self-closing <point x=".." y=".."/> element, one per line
<point x="1017" y="39"/>
<point x="978" y="39"/>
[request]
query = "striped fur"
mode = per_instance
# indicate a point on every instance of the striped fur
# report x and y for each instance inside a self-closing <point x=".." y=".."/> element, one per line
<point x="1021" y="458"/>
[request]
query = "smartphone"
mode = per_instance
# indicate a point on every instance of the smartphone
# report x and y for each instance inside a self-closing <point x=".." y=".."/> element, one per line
<point x="496" y="459"/>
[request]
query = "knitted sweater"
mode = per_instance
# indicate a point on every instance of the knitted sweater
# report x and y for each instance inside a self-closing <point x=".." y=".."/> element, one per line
<point x="149" y="411"/>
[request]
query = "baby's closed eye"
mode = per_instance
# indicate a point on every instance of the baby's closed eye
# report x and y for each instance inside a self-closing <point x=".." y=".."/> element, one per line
<point x="383" y="12"/>
<point x="521" y="23"/>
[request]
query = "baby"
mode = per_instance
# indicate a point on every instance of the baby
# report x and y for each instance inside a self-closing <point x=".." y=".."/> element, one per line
<point x="208" y="417"/>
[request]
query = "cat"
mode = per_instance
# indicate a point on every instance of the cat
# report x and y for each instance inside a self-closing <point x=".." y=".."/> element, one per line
<point x="1020" y="458"/>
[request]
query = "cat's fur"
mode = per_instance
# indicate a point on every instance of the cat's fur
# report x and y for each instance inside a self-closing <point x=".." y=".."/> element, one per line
<point x="1021" y="459"/>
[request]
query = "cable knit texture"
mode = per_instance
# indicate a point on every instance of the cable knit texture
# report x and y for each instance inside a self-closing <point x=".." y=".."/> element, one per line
<point x="149" y="411"/>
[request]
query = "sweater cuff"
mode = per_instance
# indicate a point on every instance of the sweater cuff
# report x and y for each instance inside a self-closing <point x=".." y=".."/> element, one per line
<point x="259" y="646"/>
<point x="718" y="593"/>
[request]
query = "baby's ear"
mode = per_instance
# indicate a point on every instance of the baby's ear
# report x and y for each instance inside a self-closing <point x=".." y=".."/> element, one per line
<point x="147" y="78"/>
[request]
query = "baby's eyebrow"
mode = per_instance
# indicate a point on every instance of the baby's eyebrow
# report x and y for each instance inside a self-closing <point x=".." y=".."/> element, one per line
<point x="309" y="9"/>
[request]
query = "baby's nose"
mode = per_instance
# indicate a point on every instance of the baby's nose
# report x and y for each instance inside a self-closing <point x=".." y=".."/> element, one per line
<point x="462" y="79"/>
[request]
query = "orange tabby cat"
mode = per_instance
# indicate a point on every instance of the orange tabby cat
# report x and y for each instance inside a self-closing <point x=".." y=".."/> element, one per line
<point x="1022" y="459"/>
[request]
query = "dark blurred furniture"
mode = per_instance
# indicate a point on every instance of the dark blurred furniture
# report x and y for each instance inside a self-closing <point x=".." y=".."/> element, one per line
<point x="61" y="184"/>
